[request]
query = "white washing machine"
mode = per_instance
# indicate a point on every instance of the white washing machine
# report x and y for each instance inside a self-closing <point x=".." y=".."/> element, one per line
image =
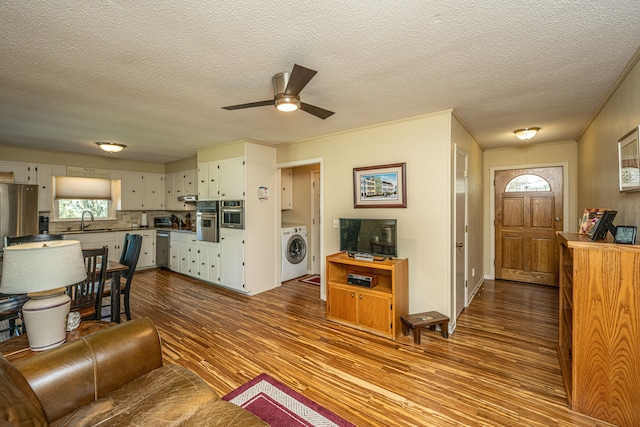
<point x="294" y="251"/>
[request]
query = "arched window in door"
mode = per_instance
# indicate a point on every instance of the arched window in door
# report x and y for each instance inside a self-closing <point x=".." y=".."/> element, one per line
<point x="527" y="182"/>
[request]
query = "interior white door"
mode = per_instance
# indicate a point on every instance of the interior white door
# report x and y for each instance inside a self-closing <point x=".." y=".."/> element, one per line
<point x="460" y="232"/>
<point x="314" y="237"/>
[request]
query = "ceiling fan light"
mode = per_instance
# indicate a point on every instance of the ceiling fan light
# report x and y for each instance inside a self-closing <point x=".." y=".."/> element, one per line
<point x="111" y="147"/>
<point x="287" y="103"/>
<point x="526" y="133"/>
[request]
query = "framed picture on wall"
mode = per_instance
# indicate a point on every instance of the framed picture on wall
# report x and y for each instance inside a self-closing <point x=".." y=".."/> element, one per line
<point x="381" y="186"/>
<point x="629" y="161"/>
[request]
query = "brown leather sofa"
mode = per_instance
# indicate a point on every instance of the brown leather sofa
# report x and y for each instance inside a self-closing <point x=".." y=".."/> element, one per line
<point x="114" y="377"/>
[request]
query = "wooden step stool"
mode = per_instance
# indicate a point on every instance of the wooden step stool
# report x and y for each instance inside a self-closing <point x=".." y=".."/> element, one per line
<point x="416" y="322"/>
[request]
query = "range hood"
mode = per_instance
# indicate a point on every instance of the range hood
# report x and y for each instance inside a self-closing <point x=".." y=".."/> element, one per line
<point x="188" y="199"/>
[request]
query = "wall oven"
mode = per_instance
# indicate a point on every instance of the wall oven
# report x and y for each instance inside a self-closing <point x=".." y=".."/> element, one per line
<point x="232" y="214"/>
<point x="207" y="221"/>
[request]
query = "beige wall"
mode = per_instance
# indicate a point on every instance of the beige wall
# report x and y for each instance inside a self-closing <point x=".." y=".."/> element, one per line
<point x="424" y="227"/>
<point x="52" y="157"/>
<point x="221" y="152"/>
<point x="598" y="153"/>
<point x="562" y="153"/>
<point x="181" y="165"/>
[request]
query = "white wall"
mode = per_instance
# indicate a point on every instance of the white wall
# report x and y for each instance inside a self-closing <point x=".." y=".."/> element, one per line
<point x="424" y="143"/>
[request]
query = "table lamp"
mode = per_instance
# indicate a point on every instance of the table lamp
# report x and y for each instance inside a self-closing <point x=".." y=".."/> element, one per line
<point x="43" y="271"/>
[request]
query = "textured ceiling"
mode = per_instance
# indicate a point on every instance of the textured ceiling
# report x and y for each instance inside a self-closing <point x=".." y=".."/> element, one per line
<point x="154" y="75"/>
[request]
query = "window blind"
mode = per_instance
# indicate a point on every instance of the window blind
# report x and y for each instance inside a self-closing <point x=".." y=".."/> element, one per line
<point x="71" y="187"/>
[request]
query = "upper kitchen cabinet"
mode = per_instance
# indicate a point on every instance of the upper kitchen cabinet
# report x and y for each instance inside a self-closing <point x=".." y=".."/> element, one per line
<point x="142" y="191"/>
<point x="44" y="178"/>
<point x="208" y="181"/>
<point x="23" y="173"/>
<point x="231" y="176"/>
<point x="222" y="179"/>
<point x="181" y="183"/>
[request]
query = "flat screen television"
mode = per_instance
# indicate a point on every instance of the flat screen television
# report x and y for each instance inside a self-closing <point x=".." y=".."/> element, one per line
<point x="373" y="236"/>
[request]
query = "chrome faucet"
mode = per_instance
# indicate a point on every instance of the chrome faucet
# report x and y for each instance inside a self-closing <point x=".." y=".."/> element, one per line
<point x="82" y="226"/>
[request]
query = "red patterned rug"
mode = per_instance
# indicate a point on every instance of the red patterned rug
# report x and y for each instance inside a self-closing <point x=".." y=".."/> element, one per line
<point x="280" y="406"/>
<point x="313" y="280"/>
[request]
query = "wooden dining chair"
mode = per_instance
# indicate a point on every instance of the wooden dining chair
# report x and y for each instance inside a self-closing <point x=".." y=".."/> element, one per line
<point x="10" y="307"/>
<point x="129" y="257"/>
<point x="10" y="241"/>
<point x="86" y="296"/>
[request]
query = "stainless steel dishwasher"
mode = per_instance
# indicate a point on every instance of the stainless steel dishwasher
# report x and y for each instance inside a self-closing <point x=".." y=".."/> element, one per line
<point x="162" y="248"/>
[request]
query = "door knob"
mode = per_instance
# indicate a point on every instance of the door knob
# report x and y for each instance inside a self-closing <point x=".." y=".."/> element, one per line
<point x="558" y="219"/>
<point x="458" y="245"/>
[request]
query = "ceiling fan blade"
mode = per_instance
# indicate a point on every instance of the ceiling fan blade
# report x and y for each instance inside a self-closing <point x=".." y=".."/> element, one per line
<point x="249" y="105"/>
<point x="316" y="111"/>
<point x="298" y="79"/>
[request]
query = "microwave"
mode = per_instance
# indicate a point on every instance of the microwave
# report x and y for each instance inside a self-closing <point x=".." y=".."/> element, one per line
<point x="232" y="214"/>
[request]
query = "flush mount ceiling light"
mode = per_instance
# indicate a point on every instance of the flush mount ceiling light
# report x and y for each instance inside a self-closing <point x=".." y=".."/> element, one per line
<point x="287" y="103"/>
<point x="526" y="133"/>
<point x="111" y="147"/>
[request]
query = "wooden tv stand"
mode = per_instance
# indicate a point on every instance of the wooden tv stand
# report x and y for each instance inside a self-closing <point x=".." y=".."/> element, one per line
<point x="377" y="309"/>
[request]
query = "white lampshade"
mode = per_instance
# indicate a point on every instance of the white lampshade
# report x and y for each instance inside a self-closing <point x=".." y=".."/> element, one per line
<point x="42" y="266"/>
<point x="43" y="270"/>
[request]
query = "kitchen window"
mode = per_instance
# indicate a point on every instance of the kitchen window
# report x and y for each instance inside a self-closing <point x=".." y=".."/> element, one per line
<point x="75" y="195"/>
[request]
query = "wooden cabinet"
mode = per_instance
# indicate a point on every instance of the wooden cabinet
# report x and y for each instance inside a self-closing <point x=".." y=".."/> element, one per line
<point x="599" y="328"/>
<point x="376" y="309"/>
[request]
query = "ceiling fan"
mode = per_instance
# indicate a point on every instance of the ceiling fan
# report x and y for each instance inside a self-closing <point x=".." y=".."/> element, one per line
<point x="286" y="90"/>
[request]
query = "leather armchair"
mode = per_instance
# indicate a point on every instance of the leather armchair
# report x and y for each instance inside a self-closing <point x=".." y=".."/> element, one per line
<point x="112" y="377"/>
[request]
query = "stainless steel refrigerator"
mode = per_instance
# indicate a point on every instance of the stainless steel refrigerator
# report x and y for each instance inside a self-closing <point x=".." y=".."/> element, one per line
<point x="18" y="211"/>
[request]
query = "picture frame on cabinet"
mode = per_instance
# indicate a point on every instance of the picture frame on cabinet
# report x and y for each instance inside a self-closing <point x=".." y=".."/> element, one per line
<point x="629" y="161"/>
<point x="383" y="186"/>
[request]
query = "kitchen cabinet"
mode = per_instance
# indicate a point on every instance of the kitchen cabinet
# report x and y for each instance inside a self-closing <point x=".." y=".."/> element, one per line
<point x="222" y="179"/>
<point x="142" y="191"/>
<point x="23" y="173"/>
<point x="208" y="181"/>
<point x="179" y="253"/>
<point x="180" y="184"/>
<point x="231" y="178"/>
<point x="113" y="240"/>
<point x="599" y="318"/>
<point x="204" y="261"/>
<point x="194" y="258"/>
<point x="147" y="256"/>
<point x="232" y="254"/>
<point x="286" y="196"/>
<point x="377" y="309"/>
<point x="44" y="179"/>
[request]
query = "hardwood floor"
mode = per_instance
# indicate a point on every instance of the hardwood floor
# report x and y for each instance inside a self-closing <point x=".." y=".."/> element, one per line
<point x="499" y="368"/>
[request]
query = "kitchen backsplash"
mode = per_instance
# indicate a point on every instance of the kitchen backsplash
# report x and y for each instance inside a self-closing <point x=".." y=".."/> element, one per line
<point x="124" y="220"/>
